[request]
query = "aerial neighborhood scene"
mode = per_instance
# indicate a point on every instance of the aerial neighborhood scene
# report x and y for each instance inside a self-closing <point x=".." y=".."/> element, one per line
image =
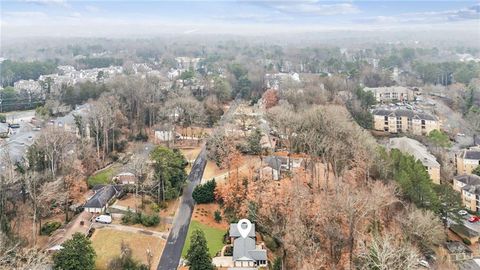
<point x="239" y="135"/>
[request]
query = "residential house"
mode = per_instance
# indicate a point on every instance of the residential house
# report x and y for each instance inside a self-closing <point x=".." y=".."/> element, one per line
<point x="469" y="187"/>
<point x="457" y="251"/>
<point x="125" y="178"/>
<point x="275" y="165"/>
<point x="165" y="135"/>
<point x="419" y="152"/>
<point x="468" y="160"/>
<point x="392" y="93"/>
<point x="98" y="203"/>
<point x="245" y="251"/>
<point x="404" y="121"/>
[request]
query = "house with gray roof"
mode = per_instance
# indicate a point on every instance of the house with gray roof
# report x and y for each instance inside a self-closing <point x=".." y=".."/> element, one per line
<point x="245" y="251"/>
<point x="98" y="203"/>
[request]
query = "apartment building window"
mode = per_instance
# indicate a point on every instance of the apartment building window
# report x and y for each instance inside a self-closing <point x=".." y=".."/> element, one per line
<point x="394" y="95"/>
<point x="409" y="124"/>
<point x="399" y="123"/>
<point x="423" y="124"/>
<point x="386" y="120"/>
<point x="387" y="95"/>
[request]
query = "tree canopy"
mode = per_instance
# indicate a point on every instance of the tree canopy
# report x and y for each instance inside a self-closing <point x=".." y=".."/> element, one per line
<point x="197" y="255"/>
<point x="169" y="171"/>
<point x="77" y="254"/>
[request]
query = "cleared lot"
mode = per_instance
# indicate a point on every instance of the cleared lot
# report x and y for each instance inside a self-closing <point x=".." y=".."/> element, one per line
<point x="106" y="243"/>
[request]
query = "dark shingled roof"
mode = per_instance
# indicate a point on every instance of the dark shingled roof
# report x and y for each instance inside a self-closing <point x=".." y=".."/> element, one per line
<point x="102" y="196"/>
<point x="469" y="179"/>
<point x="403" y="112"/>
<point x="472" y="154"/>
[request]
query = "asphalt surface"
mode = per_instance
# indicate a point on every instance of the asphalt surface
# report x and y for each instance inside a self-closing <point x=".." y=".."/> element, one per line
<point x="176" y="238"/>
<point x="172" y="252"/>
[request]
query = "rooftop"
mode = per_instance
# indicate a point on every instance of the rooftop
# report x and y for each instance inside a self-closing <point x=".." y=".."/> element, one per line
<point x="472" y="154"/>
<point x="414" y="148"/>
<point x="233" y="232"/>
<point x="405" y="113"/>
<point x="102" y="196"/>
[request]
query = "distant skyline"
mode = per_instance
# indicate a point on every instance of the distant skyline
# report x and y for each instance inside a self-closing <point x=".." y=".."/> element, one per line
<point x="148" y="18"/>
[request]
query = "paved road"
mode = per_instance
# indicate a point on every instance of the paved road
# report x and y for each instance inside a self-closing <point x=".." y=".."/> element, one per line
<point x="176" y="239"/>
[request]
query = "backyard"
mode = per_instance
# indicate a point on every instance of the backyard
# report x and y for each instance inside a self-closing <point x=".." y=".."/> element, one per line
<point x="102" y="177"/>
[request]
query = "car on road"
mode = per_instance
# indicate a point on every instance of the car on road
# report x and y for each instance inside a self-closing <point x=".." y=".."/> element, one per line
<point x="104" y="219"/>
<point x="462" y="213"/>
<point x="473" y="219"/>
<point x="14" y="125"/>
<point x="37" y="128"/>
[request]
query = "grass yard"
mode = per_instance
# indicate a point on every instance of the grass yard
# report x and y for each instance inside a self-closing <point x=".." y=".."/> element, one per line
<point x="106" y="243"/>
<point x="214" y="237"/>
<point x="103" y="177"/>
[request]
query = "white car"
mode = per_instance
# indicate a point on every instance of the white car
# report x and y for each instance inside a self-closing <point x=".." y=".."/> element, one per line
<point x="462" y="213"/>
<point x="104" y="219"/>
<point x="424" y="263"/>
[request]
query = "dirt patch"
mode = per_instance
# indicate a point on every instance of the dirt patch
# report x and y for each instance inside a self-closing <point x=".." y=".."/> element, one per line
<point x="204" y="213"/>
<point x="106" y="243"/>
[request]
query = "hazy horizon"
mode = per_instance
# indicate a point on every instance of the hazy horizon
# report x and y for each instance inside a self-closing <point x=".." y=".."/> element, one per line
<point x="59" y="18"/>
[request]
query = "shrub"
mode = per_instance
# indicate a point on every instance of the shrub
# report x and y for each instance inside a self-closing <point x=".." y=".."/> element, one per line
<point x="466" y="241"/>
<point x="155" y="207"/>
<point x="277" y="263"/>
<point x="205" y="193"/>
<point x="139" y="218"/>
<point x="217" y="216"/>
<point x="49" y="227"/>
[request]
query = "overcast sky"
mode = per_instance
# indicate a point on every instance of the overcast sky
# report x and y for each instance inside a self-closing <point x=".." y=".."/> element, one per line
<point x="143" y="18"/>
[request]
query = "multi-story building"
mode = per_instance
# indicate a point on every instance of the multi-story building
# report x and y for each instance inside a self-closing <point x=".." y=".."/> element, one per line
<point x="468" y="160"/>
<point x="404" y="121"/>
<point x="392" y="93"/>
<point x="420" y="152"/>
<point x="469" y="187"/>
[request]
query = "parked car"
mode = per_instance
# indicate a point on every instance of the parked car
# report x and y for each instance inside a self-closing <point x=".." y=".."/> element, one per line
<point x="424" y="263"/>
<point x="462" y="213"/>
<point x="104" y="219"/>
<point x="14" y="125"/>
<point x="473" y="219"/>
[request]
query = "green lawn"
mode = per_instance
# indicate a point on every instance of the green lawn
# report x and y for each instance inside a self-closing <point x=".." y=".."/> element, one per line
<point x="103" y="177"/>
<point x="214" y="238"/>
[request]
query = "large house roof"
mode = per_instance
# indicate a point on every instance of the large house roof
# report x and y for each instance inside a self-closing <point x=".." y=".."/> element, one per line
<point x="244" y="249"/>
<point x="468" y="179"/>
<point x="233" y="232"/>
<point x="404" y="113"/>
<point x="416" y="149"/>
<point x="102" y="196"/>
